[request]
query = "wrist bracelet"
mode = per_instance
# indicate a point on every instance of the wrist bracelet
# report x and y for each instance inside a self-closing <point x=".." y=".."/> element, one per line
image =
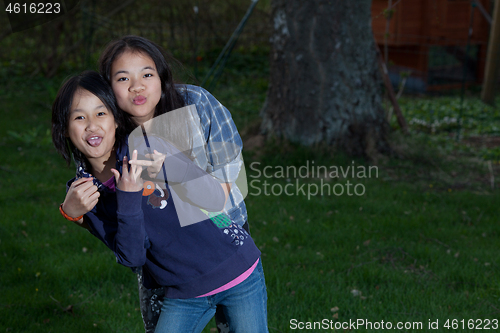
<point x="67" y="217"/>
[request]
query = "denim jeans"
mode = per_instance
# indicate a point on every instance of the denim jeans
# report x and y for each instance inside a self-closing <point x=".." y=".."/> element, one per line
<point x="244" y="305"/>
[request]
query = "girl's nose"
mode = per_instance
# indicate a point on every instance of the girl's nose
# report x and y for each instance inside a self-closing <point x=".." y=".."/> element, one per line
<point x="92" y="125"/>
<point x="137" y="87"/>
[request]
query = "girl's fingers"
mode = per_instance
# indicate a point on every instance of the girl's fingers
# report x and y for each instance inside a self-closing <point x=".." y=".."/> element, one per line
<point x="92" y="200"/>
<point x="141" y="163"/>
<point x="137" y="172"/>
<point x="81" y="181"/>
<point x="133" y="168"/>
<point x="95" y="195"/>
<point x="160" y="156"/>
<point x="155" y="156"/>
<point x="116" y="174"/>
<point x="80" y="191"/>
<point x="154" y="163"/>
<point x="125" y="166"/>
<point x="82" y="185"/>
<point x="136" y="168"/>
<point x="93" y="203"/>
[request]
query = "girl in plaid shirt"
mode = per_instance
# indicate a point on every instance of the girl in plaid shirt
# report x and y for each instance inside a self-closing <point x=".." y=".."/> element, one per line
<point x="142" y="82"/>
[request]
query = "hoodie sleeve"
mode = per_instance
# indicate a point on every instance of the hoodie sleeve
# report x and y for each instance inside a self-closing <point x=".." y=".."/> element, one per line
<point x="118" y="221"/>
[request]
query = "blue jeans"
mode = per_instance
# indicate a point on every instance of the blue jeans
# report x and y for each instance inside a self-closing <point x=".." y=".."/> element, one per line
<point x="244" y="305"/>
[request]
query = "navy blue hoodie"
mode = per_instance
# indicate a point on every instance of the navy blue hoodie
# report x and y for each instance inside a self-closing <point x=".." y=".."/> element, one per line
<point x="144" y="230"/>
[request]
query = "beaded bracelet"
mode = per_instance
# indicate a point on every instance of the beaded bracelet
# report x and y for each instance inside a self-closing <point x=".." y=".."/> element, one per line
<point x="67" y="217"/>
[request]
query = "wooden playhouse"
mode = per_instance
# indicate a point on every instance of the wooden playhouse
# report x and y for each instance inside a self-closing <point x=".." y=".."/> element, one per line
<point x="428" y="39"/>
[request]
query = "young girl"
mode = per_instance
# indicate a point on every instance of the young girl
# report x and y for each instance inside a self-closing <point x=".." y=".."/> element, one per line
<point x="142" y="81"/>
<point x="200" y="266"/>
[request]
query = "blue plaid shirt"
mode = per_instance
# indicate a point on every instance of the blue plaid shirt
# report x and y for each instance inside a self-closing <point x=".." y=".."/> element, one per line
<point x="223" y="158"/>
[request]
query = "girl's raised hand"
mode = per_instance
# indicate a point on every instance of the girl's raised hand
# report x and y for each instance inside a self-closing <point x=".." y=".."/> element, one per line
<point x="154" y="165"/>
<point x="81" y="197"/>
<point x="129" y="181"/>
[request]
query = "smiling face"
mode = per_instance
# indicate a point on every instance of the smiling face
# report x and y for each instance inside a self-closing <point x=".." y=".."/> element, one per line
<point x="91" y="127"/>
<point x="136" y="84"/>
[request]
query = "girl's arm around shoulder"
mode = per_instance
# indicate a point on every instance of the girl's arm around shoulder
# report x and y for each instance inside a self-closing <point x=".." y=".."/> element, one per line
<point x="223" y="142"/>
<point x="215" y="118"/>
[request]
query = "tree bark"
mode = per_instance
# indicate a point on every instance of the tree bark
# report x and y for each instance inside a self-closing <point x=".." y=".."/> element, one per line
<point x="325" y="84"/>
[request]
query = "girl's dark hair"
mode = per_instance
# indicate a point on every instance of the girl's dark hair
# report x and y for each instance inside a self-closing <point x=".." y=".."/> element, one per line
<point x="94" y="83"/>
<point x="171" y="98"/>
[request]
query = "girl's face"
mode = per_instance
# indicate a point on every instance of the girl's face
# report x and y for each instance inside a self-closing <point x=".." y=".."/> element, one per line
<point x="136" y="84"/>
<point x="91" y="126"/>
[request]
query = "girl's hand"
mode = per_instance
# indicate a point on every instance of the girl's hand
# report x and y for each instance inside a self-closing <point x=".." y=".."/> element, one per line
<point x="129" y="181"/>
<point x="81" y="197"/>
<point x="154" y="165"/>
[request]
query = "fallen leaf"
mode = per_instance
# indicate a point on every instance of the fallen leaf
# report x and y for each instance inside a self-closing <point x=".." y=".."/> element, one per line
<point x="355" y="292"/>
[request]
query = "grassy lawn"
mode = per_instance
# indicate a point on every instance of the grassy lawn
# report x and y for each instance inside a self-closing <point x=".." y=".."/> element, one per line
<point x="420" y="245"/>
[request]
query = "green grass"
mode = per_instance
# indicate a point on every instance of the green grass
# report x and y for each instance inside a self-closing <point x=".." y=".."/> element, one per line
<point x="414" y="256"/>
<point x="419" y="245"/>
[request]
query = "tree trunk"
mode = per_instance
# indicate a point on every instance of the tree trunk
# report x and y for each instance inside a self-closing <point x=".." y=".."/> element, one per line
<point x="325" y="84"/>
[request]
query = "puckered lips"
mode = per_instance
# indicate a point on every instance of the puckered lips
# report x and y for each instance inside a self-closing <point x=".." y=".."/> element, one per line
<point x="94" y="140"/>
<point x="139" y="100"/>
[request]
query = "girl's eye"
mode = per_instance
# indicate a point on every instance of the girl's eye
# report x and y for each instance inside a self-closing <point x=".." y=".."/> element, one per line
<point x="78" y="117"/>
<point x="122" y="79"/>
<point x="101" y="114"/>
<point x="148" y="75"/>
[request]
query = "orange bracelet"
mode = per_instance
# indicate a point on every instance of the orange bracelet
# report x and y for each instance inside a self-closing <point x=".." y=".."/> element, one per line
<point x="67" y="217"/>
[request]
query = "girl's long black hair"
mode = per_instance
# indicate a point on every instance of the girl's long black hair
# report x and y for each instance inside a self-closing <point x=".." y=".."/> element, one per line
<point x="94" y="83"/>
<point x="171" y="98"/>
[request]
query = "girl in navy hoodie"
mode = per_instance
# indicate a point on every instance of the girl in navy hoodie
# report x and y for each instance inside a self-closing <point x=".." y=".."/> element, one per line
<point x="213" y="262"/>
<point x="142" y="81"/>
